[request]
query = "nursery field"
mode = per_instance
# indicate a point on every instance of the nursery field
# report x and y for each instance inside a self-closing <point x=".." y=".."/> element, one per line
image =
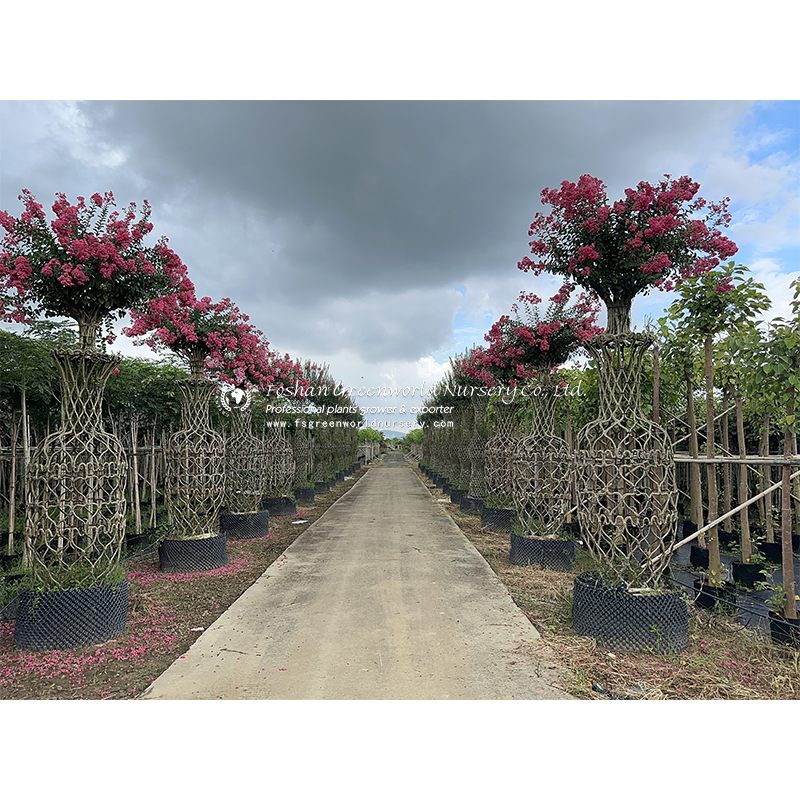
<point x="166" y="615"/>
<point x="724" y="659"/>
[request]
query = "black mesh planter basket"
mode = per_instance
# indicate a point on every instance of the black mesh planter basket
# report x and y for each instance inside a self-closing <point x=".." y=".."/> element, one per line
<point x="304" y="496"/>
<point x="698" y="556"/>
<point x="190" y="555"/>
<point x="279" y="506"/>
<point x="784" y="631"/>
<point x="136" y="542"/>
<point x="772" y="551"/>
<point x="245" y="526"/>
<point x="709" y="596"/>
<point x="471" y="505"/>
<point x="620" y="620"/>
<point x="322" y="487"/>
<point x="498" y="519"/>
<point x="747" y="574"/>
<point x="555" y="554"/>
<point x="70" y="618"/>
<point x="456" y="495"/>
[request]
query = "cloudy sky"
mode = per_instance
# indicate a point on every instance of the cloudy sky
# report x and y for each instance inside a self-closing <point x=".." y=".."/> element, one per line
<point x="382" y="236"/>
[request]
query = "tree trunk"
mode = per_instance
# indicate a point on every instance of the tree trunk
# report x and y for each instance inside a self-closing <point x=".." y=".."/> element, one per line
<point x="619" y="316"/>
<point x="766" y="505"/>
<point x="695" y="486"/>
<point x="787" y="556"/>
<point x="796" y="493"/>
<point x="153" y="478"/>
<point x="656" y="386"/>
<point x="135" y="463"/>
<point x="714" y="562"/>
<point x="726" y="468"/>
<point x="26" y="444"/>
<point x="744" y="494"/>
<point x="12" y="489"/>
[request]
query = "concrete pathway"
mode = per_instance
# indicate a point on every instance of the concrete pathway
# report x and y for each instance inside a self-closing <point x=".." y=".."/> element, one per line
<point x="382" y="598"/>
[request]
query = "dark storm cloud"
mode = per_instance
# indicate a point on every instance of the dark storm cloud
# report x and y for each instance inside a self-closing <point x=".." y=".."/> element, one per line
<point x="367" y="193"/>
<point x="349" y="224"/>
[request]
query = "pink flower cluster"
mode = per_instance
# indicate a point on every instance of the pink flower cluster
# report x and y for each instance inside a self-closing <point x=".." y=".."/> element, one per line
<point x="81" y="264"/>
<point x="651" y="238"/>
<point x="217" y="338"/>
<point x="519" y="351"/>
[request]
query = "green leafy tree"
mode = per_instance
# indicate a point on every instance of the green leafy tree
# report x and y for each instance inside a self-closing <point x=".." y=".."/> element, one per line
<point x="721" y="299"/>
<point x="781" y="368"/>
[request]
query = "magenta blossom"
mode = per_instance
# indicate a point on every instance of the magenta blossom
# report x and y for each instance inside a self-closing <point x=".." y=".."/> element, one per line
<point x="216" y="338"/>
<point x="522" y="350"/>
<point x="89" y="263"/>
<point x="654" y="237"/>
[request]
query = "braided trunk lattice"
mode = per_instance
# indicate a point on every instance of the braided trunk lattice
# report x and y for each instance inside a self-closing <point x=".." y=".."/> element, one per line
<point x="195" y="477"/>
<point x="75" y="523"/>
<point x="625" y="470"/>
<point x="465" y="437"/>
<point x="543" y="474"/>
<point x="500" y="452"/>
<point x="323" y="449"/>
<point x="300" y="450"/>
<point x="245" y="461"/>
<point x="477" y="449"/>
<point x="279" y="464"/>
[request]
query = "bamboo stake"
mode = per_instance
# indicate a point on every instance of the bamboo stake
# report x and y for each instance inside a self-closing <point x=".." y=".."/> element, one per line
<point x="727" y="498"/>
<point x="677" y="546"/>
<point x="787" y="555"/>
<point x="747" y="545"/>
<point x="153" y="477"/>
<point x="695" y="486"/>
<point x="12" y="489"/>
<point x="135" y="498"/>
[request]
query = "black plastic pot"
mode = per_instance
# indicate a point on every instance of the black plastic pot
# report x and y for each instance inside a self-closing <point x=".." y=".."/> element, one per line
<point x="620" y="620"/>
<point x="245" y="526"/>
<point x="747" y="574"/>
<point x="698" y="556"/>
<point x="709" y="597"/>
<point x="471" y="505"/>
<point x="772" y="551"/>
<point x="70" y="618"/>
<point x="279" y="506"/>
<point x="192" y="555"/>
<point x="554" y="554"/>
<point x="795" y="541"/>
<point x="8" y="562"/>
<point x="135" y="542"/>
<point x="784" y="631"/>
<point x="728" y="539"/>
<point x="498" y="519"/>
<point x="304" y="496"/>
<point x="456" y="495"/>
<point x="689" y="528"/>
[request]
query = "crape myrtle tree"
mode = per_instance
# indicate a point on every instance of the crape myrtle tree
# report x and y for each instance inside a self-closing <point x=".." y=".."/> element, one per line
<point x="220" y="345"/>
<point x="542" y="474"/>
<point x="89" y="263"/>
<point x="524" y="353"/>
<point x="471" y="373"/>
<point x="656" y="236"/>
<point x="721" y="299"/>
<point x="284" y="391"/>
